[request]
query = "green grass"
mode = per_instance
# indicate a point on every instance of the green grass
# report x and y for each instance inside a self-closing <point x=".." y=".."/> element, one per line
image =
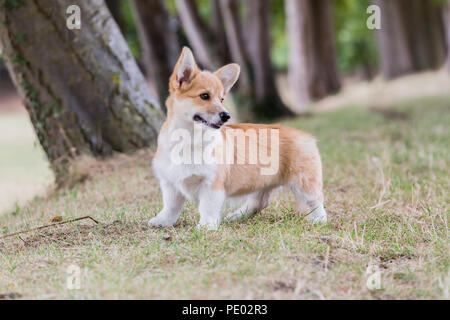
<point x="386" y="188"/>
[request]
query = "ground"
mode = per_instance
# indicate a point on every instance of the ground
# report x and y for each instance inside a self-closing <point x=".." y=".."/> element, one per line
<point x="24" y="171"/>
<point x="386" y="189"/>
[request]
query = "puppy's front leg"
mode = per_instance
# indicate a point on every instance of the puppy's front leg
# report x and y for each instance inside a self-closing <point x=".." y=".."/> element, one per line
<point x="173" y="202"/>
<point x="210" y="207"/>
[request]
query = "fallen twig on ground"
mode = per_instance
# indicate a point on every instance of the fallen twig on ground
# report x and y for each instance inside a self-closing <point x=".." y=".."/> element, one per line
<point x="47" y="226"/>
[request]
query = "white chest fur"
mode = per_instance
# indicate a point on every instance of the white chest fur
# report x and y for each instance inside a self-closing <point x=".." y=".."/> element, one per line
<point x="187" y="174"/>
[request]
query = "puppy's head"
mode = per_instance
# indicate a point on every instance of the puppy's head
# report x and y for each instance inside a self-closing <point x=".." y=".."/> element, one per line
<point x="197" y="96"/>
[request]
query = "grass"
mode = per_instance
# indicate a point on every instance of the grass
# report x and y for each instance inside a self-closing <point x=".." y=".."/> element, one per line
<point x="386" y="189"/>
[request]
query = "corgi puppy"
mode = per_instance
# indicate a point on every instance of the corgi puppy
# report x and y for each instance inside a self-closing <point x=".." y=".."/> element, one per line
<point x="198" y="158"/>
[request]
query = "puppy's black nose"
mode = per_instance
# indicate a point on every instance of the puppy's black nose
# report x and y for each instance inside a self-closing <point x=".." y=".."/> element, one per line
<point x="224" y="116"/>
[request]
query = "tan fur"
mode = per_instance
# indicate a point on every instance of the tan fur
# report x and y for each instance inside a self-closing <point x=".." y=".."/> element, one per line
<point x="299" y="160"/>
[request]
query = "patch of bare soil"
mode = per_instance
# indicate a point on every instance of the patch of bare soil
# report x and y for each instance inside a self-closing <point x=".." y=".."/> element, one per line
<point x="86" y="168"/>
<point x="389" y="261"/>
<point x="389" y="113"/>
<point x="72" y="235"/>
<point x="286" y="285"/>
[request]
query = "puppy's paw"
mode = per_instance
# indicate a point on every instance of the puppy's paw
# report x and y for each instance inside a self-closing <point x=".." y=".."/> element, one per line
<point x="159" y="221"/>
<point x="208" y="226"/>
<point x="317" y="220"/>
<point x="317" y="216"/>
<point x="234" y="216"/>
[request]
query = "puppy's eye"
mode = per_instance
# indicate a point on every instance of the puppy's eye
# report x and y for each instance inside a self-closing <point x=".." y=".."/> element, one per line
<point x="204" y="96"/>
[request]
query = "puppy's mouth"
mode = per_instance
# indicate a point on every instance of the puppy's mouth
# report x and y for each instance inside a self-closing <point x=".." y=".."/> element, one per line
<point x="217" y="125"/>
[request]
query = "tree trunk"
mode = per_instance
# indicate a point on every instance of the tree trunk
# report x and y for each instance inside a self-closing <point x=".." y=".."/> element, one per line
<point x="198" y="34"/>
<point x="4" y="77"/>
<point x="115" y="7"/>
<point x="82" y="88"/>
<point x="326" y="76"/>
<point x="159" y="48"/>
<point x="218" y="29"/>
<point x="301" y="62"/>
<point x="267" y="101"/>
<point x="313" y="71"/>
<point x="256" y="95"/>
<point x="434" y="25"/>
<point x="233" y="31"/>
<point x="423" y="23"/>
<point x="411" y="36"/>
<point x="447" y="31"/>
<point x="392" y="40"/>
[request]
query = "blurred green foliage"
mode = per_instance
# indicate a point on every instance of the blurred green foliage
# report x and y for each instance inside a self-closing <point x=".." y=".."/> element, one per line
<point x="204" y="8"/>
<point x="129" y="29"/>
<point x="356" y="44"/>
<point x="278" y="35"/>
<point x="171" y="6"/>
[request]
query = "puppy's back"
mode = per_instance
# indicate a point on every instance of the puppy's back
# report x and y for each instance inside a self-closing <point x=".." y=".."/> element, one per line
<point x="267" y="155"/>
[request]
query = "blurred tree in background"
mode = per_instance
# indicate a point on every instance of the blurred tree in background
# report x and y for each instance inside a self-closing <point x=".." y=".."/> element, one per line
<point x="160" y="50"/>
<point x="200" y="34"/>
<point x="356" y="44"/>
<point x="82" y="88"/>
<point x="278" y="35"/>
<point x="240" y="31"/>
<point x="122" y="11"/>
<point x="312" y="55"/>
<point x="3" y="70"/>
<point x="412" y="37"/>
<point x="446" y="7"/>
<point x="116" y="9"/>
<point x="358" y="51"/>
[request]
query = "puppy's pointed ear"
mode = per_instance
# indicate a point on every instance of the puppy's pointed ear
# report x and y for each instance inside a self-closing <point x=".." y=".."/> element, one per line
<point x="228" y="75"/>
<point x="184" y="70"/>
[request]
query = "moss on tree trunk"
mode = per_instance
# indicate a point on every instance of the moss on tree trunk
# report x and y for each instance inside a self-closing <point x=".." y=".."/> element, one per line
<point x="82" y="88"/>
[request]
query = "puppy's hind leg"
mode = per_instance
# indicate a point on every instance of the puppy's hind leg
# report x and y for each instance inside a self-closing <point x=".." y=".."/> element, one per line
<point x="317" y="213"/>
<point x="309" y="200"/>
<point x="254" y="203"/>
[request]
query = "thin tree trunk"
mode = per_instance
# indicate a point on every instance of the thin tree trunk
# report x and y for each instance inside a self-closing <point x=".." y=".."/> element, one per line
<point x="3" y="73"/>
<point x="313" y="71"/>
<point x="413" y="16"/>
<point x="411" y="36"/>
<point x="198" y="33"/>
<point x="392" y="41"/>
<point x="82" y="88"/>
<point x="423" y="23"/>
<point x="267" y="101"/>
<point x="114" y="7"/>
<point x="256" y="96"/>
<point x="446" y="13"/>
<point x="326" y="76"/>
<point x="158" y="42"/>
<point x="434" y="24"/>
<point x="218" y="29"/>
<point x="301" y="63"/>
<point x="234" y="34"/>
